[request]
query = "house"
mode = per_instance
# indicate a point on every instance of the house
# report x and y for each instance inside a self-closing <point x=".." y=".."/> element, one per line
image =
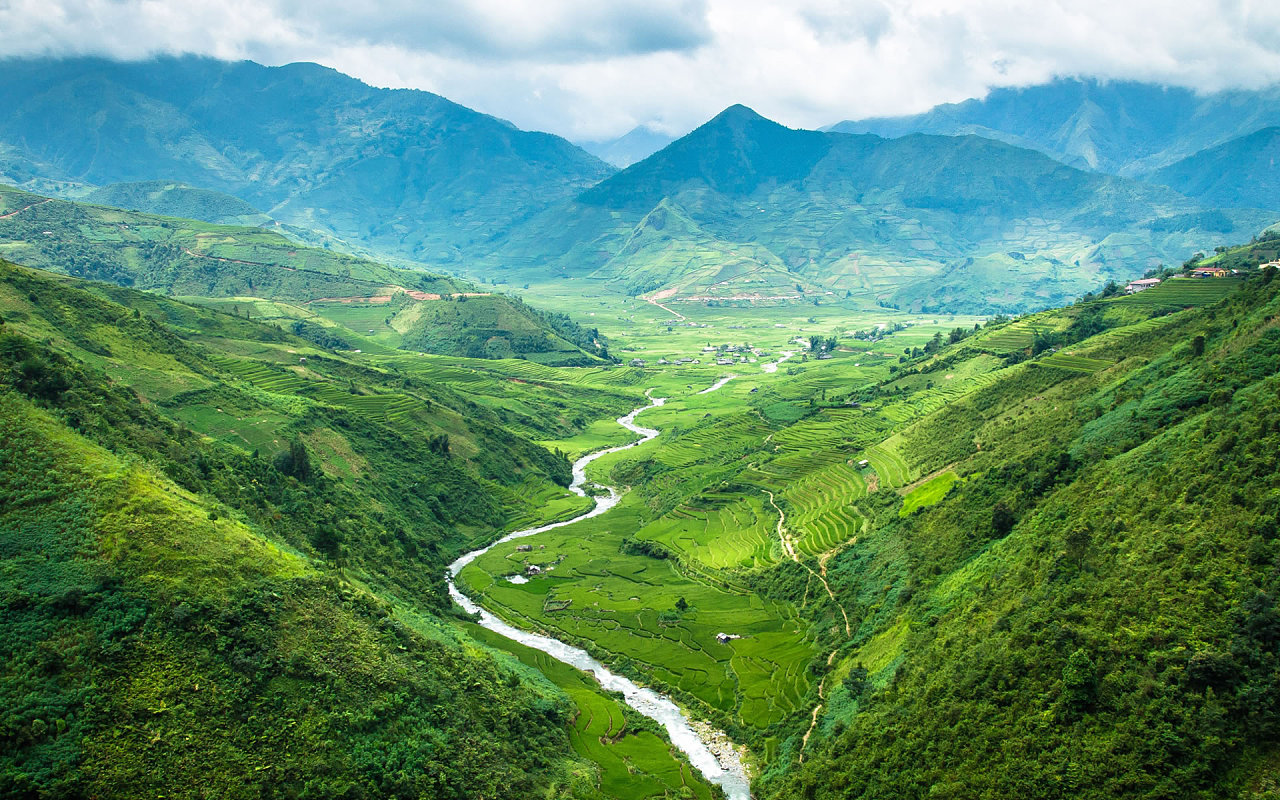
<point x="637" y="362"/>
<point x="523" y="548"/>
<point x="863" y="464"/>
<point x="533" y="569"/>
<point x="1210" y="272"/>
<point x="725" y="638"/>
<point x="1133" y="287"/>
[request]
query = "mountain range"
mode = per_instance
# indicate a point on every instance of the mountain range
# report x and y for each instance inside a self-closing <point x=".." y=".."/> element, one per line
<point x="1119" y="127"/>
<point x="1020" y="200"/>
<point x="408" y="172"/>
<point x="743" y="207"/>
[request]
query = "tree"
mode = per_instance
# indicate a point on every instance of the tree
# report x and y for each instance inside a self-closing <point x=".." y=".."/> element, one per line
<point x="682" y="605"/>
<point x="1002" y="520"/>
<point x="1079" y="681"/>
<point x="1197" y="346"/>
<point x="295" y="461"/>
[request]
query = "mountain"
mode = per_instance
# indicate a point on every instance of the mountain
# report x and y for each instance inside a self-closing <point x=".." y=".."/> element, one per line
<point x="407" y="172"/>
<point x="634" y="145"/>
<point x="178" y="200"/>
<point x="259" y="272"/>
<point x="1118" y="127"/>
<point x="1244" y="172"/>
<point x="745" y="208"/>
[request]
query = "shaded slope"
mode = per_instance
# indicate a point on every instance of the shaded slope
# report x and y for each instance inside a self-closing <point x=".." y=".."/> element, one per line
<point x="1244" y="172"/>
<point x="178" y="200"/>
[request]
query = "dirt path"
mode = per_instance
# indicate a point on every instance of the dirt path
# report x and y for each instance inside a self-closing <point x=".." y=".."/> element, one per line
<point x="194" y="254"/>
<point x="676" y="314"/>
<point x="789" y="547"/>
<point x="24" y="208"/>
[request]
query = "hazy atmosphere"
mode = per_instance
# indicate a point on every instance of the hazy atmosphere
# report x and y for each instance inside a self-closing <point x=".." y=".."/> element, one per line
<point x="589" y="70"/>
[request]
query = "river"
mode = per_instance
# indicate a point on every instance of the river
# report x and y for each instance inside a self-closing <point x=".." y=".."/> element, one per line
<point x="726" y="771"/>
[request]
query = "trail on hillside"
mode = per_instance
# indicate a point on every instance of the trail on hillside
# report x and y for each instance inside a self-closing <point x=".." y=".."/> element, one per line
<point x="789" y="547"/>
<point x="24" y="208"/>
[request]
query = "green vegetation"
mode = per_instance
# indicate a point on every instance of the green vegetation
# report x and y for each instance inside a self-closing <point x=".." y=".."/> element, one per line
<point x="928" y="492"/>
<point x="929" y="554"/>
<point x="258" y="273"/>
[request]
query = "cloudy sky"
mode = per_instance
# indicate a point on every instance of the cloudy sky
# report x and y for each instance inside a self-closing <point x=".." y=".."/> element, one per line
<point x="592" y="69"/>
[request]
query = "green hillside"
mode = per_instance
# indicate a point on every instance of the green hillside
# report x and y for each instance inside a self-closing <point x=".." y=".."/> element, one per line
<point x="223" y="552"/>
<point x="337" y="300"/>
<point x="178" y="200"/>
<point x="1090" y="609"/>
<point x="745" y="208"/>
<point x="1242" y="172"/>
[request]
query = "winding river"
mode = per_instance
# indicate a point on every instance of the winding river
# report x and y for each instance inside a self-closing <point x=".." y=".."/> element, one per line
<point x="730" y="774"/>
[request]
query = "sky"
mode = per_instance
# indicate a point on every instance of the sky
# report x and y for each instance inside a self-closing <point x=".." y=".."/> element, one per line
<point x="594" y="69"/>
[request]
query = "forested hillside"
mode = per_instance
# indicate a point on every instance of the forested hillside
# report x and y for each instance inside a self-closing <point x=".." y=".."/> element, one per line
<point x="1089" y="608"/>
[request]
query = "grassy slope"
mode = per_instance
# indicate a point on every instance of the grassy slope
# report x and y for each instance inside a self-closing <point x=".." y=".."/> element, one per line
<point x="151" y="645"/>
<point x="238" y="268"/>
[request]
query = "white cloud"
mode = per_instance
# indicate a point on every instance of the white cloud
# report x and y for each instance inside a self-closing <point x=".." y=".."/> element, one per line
<point x="591" y="69"/>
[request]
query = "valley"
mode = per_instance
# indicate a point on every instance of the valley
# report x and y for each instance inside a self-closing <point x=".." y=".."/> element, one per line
<point x="357" y="444"/>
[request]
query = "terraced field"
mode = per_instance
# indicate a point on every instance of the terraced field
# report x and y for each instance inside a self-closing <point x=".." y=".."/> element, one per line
<point x="1075" y="363"/>
<point x="827" y="429"/>
<point x="1184" y="292"/>
<point x="722" y="531"/>
<point x="888" y="464"/>
<point x="821" y="516"/>
<point x="723" y="437"/>
<point x="382" y="407"/>
<point x="926" y="401"/>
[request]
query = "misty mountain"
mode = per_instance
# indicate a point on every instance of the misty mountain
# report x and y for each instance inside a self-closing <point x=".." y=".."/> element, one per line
<point x="1119" y="127"/>
<point x="1244" y="172"/>
<point x="407" y="172"/>
<point x="634" y="145"/>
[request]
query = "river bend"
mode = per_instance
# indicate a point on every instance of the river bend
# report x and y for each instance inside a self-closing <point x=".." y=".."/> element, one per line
<point x="730" y="774"/>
